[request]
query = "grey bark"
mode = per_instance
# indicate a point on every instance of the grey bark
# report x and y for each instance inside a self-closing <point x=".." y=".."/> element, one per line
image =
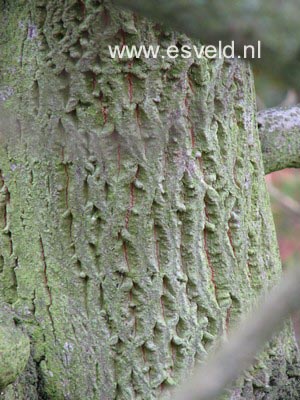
<point x="136" y="227"/>
<point x="279" y="131"/>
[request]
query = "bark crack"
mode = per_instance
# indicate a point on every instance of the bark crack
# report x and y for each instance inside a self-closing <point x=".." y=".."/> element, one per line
<point x="47" y="287"/>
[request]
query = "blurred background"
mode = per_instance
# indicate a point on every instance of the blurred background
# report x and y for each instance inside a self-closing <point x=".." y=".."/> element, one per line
<point x="284" y="189"/>
<point x="283" y="186"/>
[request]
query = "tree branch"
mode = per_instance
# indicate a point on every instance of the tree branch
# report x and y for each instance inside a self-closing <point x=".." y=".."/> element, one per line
<point x="274" y="22"/>
<point x="14" y="348"/>
<point x="239" y="353"/>
<point x="279" y="131"/>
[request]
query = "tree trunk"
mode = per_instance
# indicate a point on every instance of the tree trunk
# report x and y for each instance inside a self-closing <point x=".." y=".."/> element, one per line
<point x="135" y="223"/>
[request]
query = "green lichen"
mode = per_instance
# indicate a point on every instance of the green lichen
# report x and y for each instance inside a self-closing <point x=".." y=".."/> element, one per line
<point x="14" y="349"/>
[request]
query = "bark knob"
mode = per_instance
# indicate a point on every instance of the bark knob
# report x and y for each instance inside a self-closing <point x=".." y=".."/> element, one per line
<point x="14" y="348"/>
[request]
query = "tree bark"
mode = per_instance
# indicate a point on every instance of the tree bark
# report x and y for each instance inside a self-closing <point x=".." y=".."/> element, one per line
<point x="14" y="347"/>
<point x="236" y="355"/>
<point x="279" y="136"/>
<point x="135" y="223"/>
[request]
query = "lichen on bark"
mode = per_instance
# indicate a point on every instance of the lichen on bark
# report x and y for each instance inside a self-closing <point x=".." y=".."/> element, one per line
<point x="279" y="131"/>
<point x="136" y="226"/>
<point x="14" y="348"/>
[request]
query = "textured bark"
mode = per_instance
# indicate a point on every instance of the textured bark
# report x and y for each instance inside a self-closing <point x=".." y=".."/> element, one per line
<point x="245" y="342"/>
<point x="274" y="22"/>
<point x="279" y="131"/>
<point x="14" y="348"/>
<point x="136" y="228"/>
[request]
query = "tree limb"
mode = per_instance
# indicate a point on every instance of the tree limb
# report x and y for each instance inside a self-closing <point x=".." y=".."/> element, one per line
<point x="274" y="22"/>
<point x="14" y="348"/>
<point x="238" y="354"/>
<point x="279" y="130"/>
